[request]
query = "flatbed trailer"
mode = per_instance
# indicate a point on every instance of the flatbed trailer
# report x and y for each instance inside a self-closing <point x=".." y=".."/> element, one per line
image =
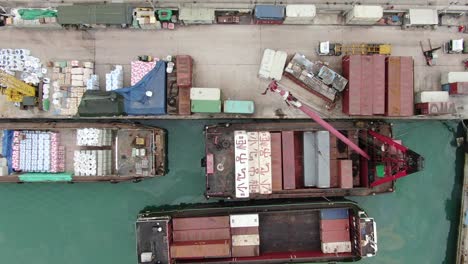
<point x="287" y="231"/>
<point x="132" y="152"/>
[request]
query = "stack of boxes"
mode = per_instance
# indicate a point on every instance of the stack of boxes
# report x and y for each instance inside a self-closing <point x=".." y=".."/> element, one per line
<point x="94" y="137"/>
<point x="37" y="151"/>
<point x="92" y="162"/>
<point x="70" y="79"/>
<point x="205" y="100"/>
<point x="334" y="231"/>
<point x="114" y="79"/>
<point x="215" y="237"/>
<point x="145" y="18"/>
<point x="20" y="60"/>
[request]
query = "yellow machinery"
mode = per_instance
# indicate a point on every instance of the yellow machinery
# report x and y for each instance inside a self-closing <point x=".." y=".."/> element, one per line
<point x="15" y="89"/>
<point x="363" y="49"/>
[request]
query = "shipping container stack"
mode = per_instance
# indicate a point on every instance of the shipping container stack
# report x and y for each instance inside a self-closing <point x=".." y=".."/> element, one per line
<point x="215" y="237"/>
<point x="269" y="162"/>
<point x="334" y="231"/>
<point x="378" y="85"/>
<point x="184" y="72"/>
<point x="205" y="100"/>
<point x="434" y="103"/>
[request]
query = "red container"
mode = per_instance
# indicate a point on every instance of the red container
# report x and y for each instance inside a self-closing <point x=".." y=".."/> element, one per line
<point x="201" y="249"/>
<point x="378" y="92"/>
<point x="334" y="225"/>
<point x="458" y="88"/>
<point x="245" y="251"/>
<point x="352" y="94"/>
<point x="406" y="86"/>
<point x="251" y="230"/>
<point x="276" y="162"/>
<point x="201" y="234"/>
<point x="183" y="102"/>
<point x="365" y="92"/>
<point x="200" y="223"/>
<point x="268" y="22"/>
<point x="335" y="236"/>
<point x="345" y="173"/>
<point x="436" y="108"/>
<point x="392" y="86"/>
<point x="184" y="70"/>
<point x="292" y="160"/>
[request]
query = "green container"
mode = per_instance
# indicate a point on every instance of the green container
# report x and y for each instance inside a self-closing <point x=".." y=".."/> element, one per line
<point x="239" y="107"/>
<point x="46" y="177"/>
<point x="164" y="14"/>
<point x="206" y="106"/>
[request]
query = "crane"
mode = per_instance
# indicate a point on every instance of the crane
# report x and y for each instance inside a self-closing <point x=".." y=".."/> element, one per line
<point x="15" y="89"/>
<point x="388" y="159"/>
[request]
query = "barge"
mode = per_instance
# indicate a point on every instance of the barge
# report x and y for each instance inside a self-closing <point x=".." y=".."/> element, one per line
<point x="301" y="159"/>
<point x="261" y="232"/>
<point x="81" y="152"/>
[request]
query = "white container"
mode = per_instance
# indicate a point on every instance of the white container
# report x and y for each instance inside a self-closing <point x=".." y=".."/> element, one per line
<point x="197" y="15"/>
<point x="336" y="247"/>
<point x="266" y="63"/>
<point x="205" y="94"/>
<point x="431" y="97"/>
<point x="300" y="14"/>
<point x="422" y="17"/>
<point x="241" y="164"/>
<point x="243" y="220"/>
<point x="277" y="68"/>
<point x="264" y="161"/>
<point x="254" y="175"/>
<point x="453" y="77"/>
<point x="364" y="15"/>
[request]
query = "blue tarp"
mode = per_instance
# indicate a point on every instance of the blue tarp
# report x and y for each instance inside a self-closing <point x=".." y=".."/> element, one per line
<point x="273" y="12"/>
<point x="7" y="148"/>
<point x="137" y="102"/>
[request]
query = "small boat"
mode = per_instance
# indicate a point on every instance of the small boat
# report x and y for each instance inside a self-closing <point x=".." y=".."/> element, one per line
<point x="246" y="232"/>
<point x="301" y="159"/>
<point x="81" y="152"/>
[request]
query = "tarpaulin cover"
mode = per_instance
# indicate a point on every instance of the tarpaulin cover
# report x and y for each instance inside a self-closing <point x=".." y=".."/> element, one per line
<point x="137" y="102"/>
<point x="31" y="14"/>
<point x="7" y="148"/>
<point x="43" y="177"/>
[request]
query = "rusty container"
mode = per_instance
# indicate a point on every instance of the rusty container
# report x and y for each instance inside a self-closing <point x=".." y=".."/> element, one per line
<point x="184" y="102"/>
<point x="201" y="234"/>
<point x="276" y="162"/>
<point x="406" y="86"/>
<point x="392" y="86"/>
<point x="201" y="249"/>
<point x="292" y="142"/>
<point x="184" y="69"/>
<point x="345" y="174"/>
<point x="351" y="103"/>
<point x="200" y="223"/>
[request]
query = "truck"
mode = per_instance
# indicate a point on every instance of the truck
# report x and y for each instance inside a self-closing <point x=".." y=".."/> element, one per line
<point x="326" y="48"/>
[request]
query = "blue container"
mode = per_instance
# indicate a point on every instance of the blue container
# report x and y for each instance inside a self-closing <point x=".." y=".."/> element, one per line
<point x="446" y="87"/>
<point x="333" y="214"/>
<point x="269" y="12"/>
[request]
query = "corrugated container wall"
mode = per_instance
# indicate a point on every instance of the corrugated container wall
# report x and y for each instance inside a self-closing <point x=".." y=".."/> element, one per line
<point x="365" y="93"/>
<point x="399" y="86"/>
<point x="423" y="17"/>
<point x="364" y="15"/>
<point x="300" y="14"/>
<point x="269" y="14"/>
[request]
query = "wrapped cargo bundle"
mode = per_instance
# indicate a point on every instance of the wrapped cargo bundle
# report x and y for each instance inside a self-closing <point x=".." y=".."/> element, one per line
<point x="114" y="79"/>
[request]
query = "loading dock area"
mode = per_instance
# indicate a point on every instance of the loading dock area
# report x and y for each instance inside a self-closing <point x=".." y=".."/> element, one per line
<point x="228" y="57"/>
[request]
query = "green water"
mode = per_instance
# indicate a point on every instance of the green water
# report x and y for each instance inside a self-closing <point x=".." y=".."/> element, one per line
<point x="94" y="223"/>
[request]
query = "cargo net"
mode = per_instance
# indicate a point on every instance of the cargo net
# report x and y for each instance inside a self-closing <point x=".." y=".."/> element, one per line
<point x="37" y="151"/>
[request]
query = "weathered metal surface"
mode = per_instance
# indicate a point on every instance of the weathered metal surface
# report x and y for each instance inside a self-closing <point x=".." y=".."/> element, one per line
<point x="123" y="143"/>
<point x="184" y="67"/>
<point x="219" y="141"/>
<point x="200" y="223"/>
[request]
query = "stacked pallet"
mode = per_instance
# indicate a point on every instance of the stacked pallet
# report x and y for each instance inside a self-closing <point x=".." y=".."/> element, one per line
<point x="334" y="231"/>
<point x="37" y="151"/>
<point x="92" y="162"/>
<point x="94" y="137"/>
<point x="215" y="237"/>
<point x="69" y="82"/>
